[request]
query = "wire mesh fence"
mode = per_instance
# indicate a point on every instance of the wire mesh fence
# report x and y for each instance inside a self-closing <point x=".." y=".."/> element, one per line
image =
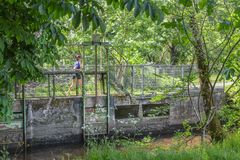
<point x="147" y="79"/>
<point x="137" y="80"/>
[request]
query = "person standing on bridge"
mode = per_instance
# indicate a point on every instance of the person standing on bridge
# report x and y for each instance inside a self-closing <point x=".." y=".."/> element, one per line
<point x="77" y="77"/>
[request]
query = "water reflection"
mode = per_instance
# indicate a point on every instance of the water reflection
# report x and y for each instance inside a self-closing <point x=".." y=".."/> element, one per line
<point x="52" y="153"/>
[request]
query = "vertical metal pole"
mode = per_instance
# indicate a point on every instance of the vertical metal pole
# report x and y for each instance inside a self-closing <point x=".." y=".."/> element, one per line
<point x="101" y="59"/>
<point x="77" y="86"/>
<point x="96" y="85"/>
<point x="160" y="71"/>
<point x="132" y="74"/>
<point x="142" y="86"/>
<point x="15" y="90"/>
<point x="173" y="74"/>
<point x="24" y="122"/>
<point x="53" y="81"/>
<point x="49" y="86"/>
<point x="182" y="71"/>
<point x="224" y="84"/>
<point x="108" y="93"/>
<point x="103" y="83"/>
<point x="83" y="105"/>
<point x="155" y="72"/>
<point x="83" y="98"/>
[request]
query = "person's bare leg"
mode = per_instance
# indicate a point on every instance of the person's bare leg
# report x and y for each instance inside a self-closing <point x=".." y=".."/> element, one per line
<point x="79" y="82"/>
<point x="70" y="87"/>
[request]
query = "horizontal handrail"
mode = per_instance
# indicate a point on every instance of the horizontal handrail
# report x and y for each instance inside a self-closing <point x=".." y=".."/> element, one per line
<point x="73" y="72"/>
<point x="137" y="65"/>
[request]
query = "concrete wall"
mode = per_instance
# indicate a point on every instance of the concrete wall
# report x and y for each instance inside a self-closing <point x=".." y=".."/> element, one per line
<point x="180" y="110"/>
<point x="54" y="121"/>
<point x="51" y="121"/>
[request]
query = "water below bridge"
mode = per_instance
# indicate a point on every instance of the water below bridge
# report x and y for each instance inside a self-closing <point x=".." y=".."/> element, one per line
<point x="67" y="151"/>
<point x="75" y="151"/>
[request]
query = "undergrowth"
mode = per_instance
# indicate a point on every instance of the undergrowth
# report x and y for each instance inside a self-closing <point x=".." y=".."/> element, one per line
<point x="229" y="149"/>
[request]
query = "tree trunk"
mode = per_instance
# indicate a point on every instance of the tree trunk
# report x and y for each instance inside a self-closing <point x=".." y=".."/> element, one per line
<point x="174" y="55"/>
<point x="214" y="128"/>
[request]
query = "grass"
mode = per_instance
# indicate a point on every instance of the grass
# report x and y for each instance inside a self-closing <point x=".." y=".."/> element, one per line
<point x="229" y="149"/>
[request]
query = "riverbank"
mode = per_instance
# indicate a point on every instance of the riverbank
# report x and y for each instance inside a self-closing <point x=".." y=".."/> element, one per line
<point x="172" y="148"/>
<point x="229" y="149"/>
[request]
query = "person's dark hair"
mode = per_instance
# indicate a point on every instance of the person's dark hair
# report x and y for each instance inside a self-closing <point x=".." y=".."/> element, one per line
<point x="78" y="56"/>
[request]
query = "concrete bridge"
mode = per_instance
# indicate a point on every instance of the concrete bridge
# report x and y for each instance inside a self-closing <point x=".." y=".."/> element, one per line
<point x="123" y="104"/>
<point x="62" y="120"/>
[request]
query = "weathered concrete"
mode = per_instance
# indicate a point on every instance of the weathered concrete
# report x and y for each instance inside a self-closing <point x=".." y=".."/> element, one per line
<point x="59" y="120"/>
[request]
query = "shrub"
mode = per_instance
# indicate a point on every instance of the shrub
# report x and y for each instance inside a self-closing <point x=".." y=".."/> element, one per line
<point x="229" y="149"/>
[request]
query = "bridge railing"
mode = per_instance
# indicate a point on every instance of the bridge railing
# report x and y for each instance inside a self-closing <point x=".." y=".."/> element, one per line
<point x="142" y="80"/>
<point x="137" y="80"/>
<point x="56" y="84"/>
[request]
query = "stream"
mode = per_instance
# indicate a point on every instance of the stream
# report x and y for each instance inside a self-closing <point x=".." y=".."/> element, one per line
<point x="72" y="151"/>
<point x="60" y="152"/>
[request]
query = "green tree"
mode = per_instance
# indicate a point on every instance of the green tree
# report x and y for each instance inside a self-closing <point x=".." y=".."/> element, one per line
<point x="208" y="27"/>
<point x="30" y="31"/>
<point x="205" y="29"/>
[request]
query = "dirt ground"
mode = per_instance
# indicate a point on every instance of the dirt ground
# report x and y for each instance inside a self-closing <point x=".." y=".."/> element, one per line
<point x="167" y="142"/>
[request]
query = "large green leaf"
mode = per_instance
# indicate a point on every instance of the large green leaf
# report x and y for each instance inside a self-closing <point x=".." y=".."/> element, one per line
<point x="146" y="8"/>
<point x="72" y="8"/>
<point x="202" y="3"/>
<point x="152" y="12"/>
<point x="159" y="15"/>
<point x="229" y="73"/>
<point x="102" y="26"/>
<point x="137" y="8"/>
<point x="95" y="22"/>
<point x="53" y="31"/>
<point x="122" y="4"/>
<point x="115" y="4"/>
<point x="2" y="45"/>
<point x="98" y="6"/>
<point x="85" y="22"/>
<point x="109" y="2"/>
<point x="130" y="4"/>
<point x="186" y="3"/>
<point x="76" y="19"/>
<point x="61" y="38"/>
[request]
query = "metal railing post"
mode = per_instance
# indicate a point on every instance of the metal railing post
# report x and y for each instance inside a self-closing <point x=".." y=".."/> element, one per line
<point x="132" y="75"/>
<point x="15" y="90"/>
<point x="83" y="96"/>
<point x="49" y="86"/>
<point x="108" y="94"/>
<point x="77" y="86"/>
<point x="142" y="85"/>
<point x="54" y="88"/>
<point x="96" y="76"/>
<point x="182" y="71"/>
<point x="155" y="72"/>
<point x="24" y="122"/>
<point x="83" y="105"/>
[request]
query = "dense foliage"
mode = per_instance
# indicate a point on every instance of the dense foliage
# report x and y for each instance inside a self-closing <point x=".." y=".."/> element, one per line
<point x="30" y="32"/>
<point x="204" y="32"/>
